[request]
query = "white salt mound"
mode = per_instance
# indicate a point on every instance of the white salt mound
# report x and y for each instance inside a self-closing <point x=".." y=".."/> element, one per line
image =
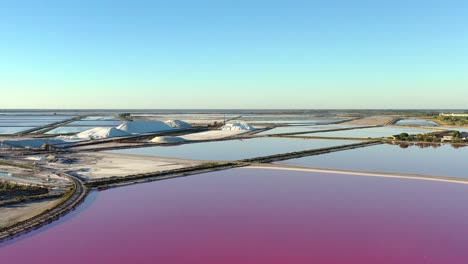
<point x="100" y="133"/>
<point x="178" y="124"/>
<point x="168" y="140"/>
<point x="142" y="126"/>
<point x="237" y="126"/>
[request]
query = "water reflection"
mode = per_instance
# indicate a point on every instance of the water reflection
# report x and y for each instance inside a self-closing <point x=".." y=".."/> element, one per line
<point x="234" y="149"/>
<point x="259" y="216"/>
<point x="408" y="158"/>
<point x="422" y="145"/>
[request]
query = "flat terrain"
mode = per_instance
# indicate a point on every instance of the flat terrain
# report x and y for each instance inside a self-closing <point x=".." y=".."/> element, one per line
<point x="109" y="145"/>
<point x="92" y="160"/>
<point x="12" y="214"/>
<point x="26" y="176"/>
<point x="211" y="135"/>
<point x="95" y="165"/>
<point x="370" y="121"/>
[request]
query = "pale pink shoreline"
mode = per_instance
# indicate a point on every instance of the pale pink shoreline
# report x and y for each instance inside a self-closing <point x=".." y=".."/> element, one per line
<point x="360" y="173"/>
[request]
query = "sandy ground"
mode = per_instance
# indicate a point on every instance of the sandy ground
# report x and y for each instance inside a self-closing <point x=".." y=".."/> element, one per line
<point x="97" y="165"/>
<point x="12" y="214"/>
<point x="360" y="173"/>
<point x="213" y="134"/>
<point x="370" y="121"/>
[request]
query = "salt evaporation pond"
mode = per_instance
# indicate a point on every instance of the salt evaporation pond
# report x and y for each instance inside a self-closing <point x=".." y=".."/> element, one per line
<point x="234" y="149"/>
<point x="24" y="124"/>
<point x="96" y="123"/>
<point x="259" y="216"/>
<point x="297" y="129"/>
<point x="416" y="122"/>
<point x="12" y="130"/>
<point x="16" y="123"/>
<point x="311" y="121"/>
<point x="444" y="160"/>
<point x="374" y="132"/>
<point x="34" y="117"/>
<point x="5" y="175"/>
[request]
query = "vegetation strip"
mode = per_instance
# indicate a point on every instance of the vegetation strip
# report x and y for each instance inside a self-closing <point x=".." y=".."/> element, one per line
<point x="451" y="120"/>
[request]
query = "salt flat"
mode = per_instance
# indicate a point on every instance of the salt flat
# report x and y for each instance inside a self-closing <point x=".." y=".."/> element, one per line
<point x="96" y="165"/>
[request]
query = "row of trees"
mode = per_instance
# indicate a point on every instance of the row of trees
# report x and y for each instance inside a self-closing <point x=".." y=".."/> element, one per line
<point x="457" y="137"/>
<point x="453" y="120"/>
<point x="418" y="137"/>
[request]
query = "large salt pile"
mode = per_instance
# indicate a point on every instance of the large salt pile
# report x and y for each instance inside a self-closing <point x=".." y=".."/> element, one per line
<point x="142" y="126"/>
<point x="168" y="140"/>
<point x="178" y="124"/>
<point x="237" y="126"/>
<point x="100" y="133"/>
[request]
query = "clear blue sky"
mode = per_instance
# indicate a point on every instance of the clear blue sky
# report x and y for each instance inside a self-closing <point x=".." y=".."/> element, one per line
<point x="234" y="54"/>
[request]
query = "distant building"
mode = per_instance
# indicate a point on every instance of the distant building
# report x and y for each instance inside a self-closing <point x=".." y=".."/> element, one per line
<point x="453" y="114"/>
<point x="447" y="138"/>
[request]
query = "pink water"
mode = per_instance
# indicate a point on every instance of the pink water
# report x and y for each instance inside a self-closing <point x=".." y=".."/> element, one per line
<point x="259" y="216"/>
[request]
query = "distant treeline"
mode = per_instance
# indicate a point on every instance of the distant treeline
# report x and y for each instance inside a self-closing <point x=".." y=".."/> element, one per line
<point x="453" y="120"/>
